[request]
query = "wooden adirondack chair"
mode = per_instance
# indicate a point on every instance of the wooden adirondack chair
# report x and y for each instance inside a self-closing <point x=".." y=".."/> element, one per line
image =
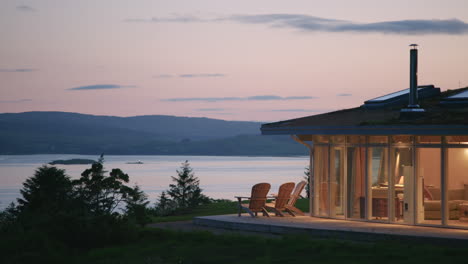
<point x="284" y="194"/>
<point x="290" y="206"/>
<point x="257" y="200"/>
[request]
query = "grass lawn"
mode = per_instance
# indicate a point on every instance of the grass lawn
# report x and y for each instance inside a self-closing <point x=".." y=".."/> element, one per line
<point x="216" y="208"/>
<point x="153" y="245"/>
<point x="164" y="246"/>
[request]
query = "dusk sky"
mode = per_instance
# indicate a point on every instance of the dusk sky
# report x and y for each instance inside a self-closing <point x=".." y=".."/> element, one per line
<point x="233" y="60"/>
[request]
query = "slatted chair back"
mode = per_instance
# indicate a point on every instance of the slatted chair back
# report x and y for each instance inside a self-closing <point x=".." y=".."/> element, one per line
<point x="258" y="196"/>
<point x="284" y="194"/>
<point x="297" y="192"/>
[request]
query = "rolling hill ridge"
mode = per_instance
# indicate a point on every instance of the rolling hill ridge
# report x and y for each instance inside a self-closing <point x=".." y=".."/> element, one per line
<point x="73" y="133"/>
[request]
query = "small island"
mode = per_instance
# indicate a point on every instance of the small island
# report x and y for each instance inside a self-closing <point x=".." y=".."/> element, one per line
<point x="135" y="162"/>
<point x="72" y="162"/>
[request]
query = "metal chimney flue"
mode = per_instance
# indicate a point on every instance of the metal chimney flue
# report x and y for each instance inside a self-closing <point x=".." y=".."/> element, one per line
<point x="413" y="110"/>
<point x="413" y="95"/>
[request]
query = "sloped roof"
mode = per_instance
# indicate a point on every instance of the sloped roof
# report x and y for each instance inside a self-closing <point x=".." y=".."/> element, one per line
<point x="437" y="120"/>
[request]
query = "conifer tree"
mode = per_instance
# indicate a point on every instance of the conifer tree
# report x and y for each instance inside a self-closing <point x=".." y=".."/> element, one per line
<point x="163" y="202"/>
<point x="186" y="191"/>
<point x="136" y="208"/>
<point x="164" y="205"/>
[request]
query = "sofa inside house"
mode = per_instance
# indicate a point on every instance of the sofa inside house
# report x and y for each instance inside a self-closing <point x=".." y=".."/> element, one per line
<point x="432" y="202"/>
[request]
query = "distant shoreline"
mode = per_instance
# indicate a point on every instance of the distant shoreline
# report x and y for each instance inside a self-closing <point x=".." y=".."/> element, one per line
<point x="72" y="162"/>
<point x="172" y="155"/>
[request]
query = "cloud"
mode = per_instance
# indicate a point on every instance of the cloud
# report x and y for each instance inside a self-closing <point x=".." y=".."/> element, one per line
<point x="26" y="8"/>
<point x="15" y="101"/>
<point x="100" y="87"/>
<point x="344" y="94"/>
<point x="250" y="98"/>
<point x="202" y="75"/>
<point x="18" y="70"/>
<point x="317" y="24"/>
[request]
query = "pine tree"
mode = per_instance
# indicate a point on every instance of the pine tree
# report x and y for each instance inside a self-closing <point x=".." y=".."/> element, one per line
<point x="164" y="205"/>
<point x="136" y="208"/>
<point x="102" y="194"/>
<point x="186" y="191"/>
<point x="163" y="202"/>
<point x="47" y="191"/>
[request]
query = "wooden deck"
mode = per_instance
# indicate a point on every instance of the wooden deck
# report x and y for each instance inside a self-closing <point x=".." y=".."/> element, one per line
<point x="331" y="228"/>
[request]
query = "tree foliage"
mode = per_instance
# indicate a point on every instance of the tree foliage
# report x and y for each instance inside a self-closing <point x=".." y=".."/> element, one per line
<point x="102" y="194"/>
<point x="136" y="206"/>
<point x="185" y="191"/>
<point x="48" y="190"/>
<point x="164" y="205"/>
<point x="307" y="178"/>
<point x="55" y="211"/>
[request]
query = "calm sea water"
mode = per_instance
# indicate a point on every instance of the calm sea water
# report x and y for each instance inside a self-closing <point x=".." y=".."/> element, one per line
<point x="220" y="177"/>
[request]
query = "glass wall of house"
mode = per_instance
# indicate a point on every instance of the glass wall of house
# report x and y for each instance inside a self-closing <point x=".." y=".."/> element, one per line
<point x="356" y="182"/>
<point x="428" y="195"/>
<point x="337" y="198"/>
<point x="321" y="180"/>
<point x="401" y="179"/>
<point x="378" y="179"/>
<point x="456" y="209"/>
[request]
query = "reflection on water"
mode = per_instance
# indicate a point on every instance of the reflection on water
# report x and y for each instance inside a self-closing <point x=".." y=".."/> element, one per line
<point x="220" y="177"/>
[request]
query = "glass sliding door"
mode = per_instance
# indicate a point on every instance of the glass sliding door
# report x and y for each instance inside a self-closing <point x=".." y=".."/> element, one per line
<point x="457" y="186"/>
<point x="321" y="183"/>
<point x="402" y="206"/>
<point x="428" y="194"/>
<point x="337" y="183"/>
<point x="378" y="181"/>
<point x="356" y="183"/>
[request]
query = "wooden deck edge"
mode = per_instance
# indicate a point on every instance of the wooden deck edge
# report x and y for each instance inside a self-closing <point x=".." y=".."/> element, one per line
<point x="325" y="233"/>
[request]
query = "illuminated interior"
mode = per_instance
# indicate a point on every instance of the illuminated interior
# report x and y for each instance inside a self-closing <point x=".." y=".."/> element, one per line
<point x="420" y="180"/>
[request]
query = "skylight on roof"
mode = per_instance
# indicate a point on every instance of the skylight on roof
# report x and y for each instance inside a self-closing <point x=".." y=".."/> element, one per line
<point x="390" y="96"/>
<point x="400" y="98"/>
<point x="462" y="95"/>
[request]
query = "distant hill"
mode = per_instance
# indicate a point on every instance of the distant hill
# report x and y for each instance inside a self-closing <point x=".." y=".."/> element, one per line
<point x="61" y="132"/>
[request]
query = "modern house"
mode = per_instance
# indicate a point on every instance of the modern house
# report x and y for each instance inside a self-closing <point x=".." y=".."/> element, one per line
<point x="398" y="158"/>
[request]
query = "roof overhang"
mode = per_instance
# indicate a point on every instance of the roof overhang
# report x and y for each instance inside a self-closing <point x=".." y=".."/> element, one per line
<point x="366" y="130"/>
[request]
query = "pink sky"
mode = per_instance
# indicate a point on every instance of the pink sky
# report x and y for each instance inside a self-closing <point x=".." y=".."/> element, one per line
<point x="223" y="59"/>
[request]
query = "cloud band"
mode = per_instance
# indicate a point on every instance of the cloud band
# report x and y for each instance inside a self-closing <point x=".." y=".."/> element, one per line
<point x="317" y="24"/>
<point x="250" y="98"/>
<point x="100" y="87"/>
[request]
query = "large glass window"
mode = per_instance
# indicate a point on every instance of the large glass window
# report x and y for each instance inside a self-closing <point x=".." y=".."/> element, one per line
<point x="356" y="188"/>
<point x="355" y="139"/>
<point x="405" y="181"/>
<point x="338" y="139"/>
<point x="403" y="185"/>
<point x="457" y="186"/>
<point x="402" y="139"/>
<point x="428" y="194"/>
<point x="456" y="139"/>
<point x="378" y="175"/>
<point x="337" y="183"/>
<point x="321" y="180"/>
<point x="378" y="139"/>
<point x="428" y="139"/>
